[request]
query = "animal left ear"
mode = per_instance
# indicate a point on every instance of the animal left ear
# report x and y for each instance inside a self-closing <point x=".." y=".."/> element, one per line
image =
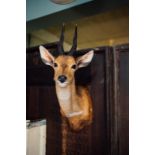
<point x="46" y="57"/>
<point x="84" y="60"/>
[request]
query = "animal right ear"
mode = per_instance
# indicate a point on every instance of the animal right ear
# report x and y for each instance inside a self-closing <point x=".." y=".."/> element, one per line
<point x="46" y="56"/>
<point x="84" y="60"/>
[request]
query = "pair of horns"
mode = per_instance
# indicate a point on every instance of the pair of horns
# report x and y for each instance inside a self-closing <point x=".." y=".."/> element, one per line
<point x="60" y="44"/>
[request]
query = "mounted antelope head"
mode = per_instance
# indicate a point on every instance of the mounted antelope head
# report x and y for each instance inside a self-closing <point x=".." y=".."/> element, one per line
<point x="75" y="101"/>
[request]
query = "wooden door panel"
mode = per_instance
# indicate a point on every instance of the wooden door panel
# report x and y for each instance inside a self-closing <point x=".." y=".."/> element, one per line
<point x="107" y="79"/>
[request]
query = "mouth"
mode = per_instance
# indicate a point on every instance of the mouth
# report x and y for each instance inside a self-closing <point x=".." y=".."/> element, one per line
<point x="64" y="84"/>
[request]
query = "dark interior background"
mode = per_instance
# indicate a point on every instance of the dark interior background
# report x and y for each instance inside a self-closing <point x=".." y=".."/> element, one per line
<point x="107" y="78"/>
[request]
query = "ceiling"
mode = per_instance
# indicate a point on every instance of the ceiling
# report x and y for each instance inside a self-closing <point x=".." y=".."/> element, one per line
<point x="106" y="28"/>
<point x="39" y="8"/>
<point x="43" y="14"/>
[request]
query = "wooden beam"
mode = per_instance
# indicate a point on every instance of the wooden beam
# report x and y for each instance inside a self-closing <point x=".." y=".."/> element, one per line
<point x="49" y="37"/>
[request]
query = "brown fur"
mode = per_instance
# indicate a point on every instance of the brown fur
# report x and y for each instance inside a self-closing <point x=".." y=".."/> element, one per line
<point x="84" y="102"/>
<point x="75" y="102"/>
<point x="79" y="96"/>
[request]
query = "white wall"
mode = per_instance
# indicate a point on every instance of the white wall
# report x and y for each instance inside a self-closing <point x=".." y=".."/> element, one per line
<point x="36" y="138"/>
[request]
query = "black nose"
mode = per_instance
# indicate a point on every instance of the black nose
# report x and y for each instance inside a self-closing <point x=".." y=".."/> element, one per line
<point x="62" y="78"/>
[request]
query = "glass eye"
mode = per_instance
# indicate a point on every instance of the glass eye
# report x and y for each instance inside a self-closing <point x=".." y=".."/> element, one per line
<point x="74" y="66"/>
<point x="55" y="65"/>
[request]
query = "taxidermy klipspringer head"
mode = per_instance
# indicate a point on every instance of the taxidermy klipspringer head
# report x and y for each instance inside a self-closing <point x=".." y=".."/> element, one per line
<point x="75" y="101"/>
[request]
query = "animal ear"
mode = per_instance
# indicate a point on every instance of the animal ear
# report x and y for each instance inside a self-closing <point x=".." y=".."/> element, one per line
<point x="84" y="60"/>
<point x="46" y="56"/>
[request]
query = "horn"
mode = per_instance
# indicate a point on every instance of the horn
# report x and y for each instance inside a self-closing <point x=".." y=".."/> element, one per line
<point x="60" y="44"/>
<point x="74" y="46"/>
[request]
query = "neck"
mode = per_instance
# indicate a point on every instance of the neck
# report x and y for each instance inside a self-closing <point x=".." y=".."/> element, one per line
<point x="68" y="99"/>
